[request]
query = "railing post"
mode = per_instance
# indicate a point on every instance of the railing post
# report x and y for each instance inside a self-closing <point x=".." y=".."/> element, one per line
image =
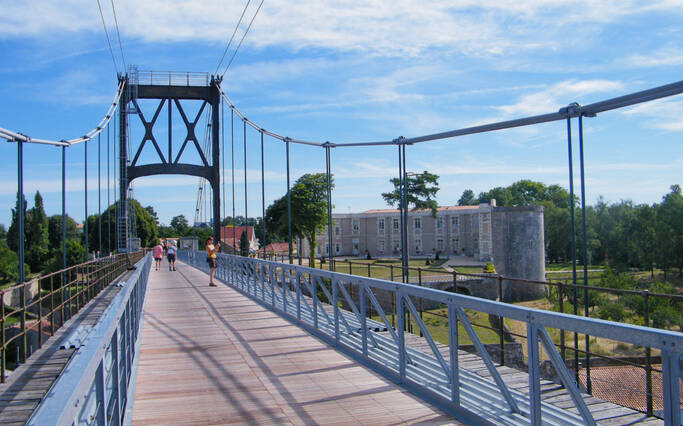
<point x="24" y="345"/>
<point x="419" y="281"/>
<point x="391" y="272"/>
<point x="363" y="320"/>
<point x="100" y="391"/>
<point x="52" y="306"/>
<point x="534" y="374"/>
<point x="40" y="314"/>
<point x="369" y="270"/>
<point x="648" y="354"/>
<point x="350" y="267"/>
<point x="2" y="337"/>
<point x="671" y="373"/>
<point x="501" y="322"/>
<point x="401" y="335"/>
<point x="453" y="352"/>
<point x="298" y="301"/>
<point x="563" y="347"/>
<point x="335" y="302"/>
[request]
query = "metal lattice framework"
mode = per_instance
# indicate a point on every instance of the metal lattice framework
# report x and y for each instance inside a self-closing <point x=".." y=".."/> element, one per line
<point x="170" y="161"/>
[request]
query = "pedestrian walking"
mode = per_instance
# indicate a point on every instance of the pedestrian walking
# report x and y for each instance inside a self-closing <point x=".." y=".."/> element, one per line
<point x="158" y="254"/>
<point x="171" y="254"/>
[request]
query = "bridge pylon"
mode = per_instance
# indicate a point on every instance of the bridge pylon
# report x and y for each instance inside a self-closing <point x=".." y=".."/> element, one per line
<point x="170" y="89"/>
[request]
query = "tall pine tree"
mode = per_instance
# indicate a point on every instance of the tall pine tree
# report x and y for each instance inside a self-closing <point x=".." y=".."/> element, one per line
<point x="37" y="242"/>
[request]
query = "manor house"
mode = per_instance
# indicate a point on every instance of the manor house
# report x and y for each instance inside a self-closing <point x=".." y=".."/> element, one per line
<point x="511" y="237"/>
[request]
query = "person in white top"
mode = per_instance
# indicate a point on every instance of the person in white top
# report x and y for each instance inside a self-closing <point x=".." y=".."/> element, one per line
<point x="170" y="255"/>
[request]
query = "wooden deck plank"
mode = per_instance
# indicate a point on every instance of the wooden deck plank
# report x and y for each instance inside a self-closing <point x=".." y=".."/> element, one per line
<point x="210" y="355"/>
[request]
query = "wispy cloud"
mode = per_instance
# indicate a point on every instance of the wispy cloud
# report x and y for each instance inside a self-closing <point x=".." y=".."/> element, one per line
<point x="662" y="114"/>
<point x="386" y="27"/>
<point x="666" y="56"/>
<point x="556" y="96"/>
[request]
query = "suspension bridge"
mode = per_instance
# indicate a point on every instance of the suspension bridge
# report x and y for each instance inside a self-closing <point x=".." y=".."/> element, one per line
<point x="117" y="342"/>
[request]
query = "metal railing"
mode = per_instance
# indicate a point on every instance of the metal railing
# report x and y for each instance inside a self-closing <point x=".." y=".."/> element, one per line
<point x="642" y="395"/>
<point x="312" y="297"/>
<point x="96" y="388"/>
<point x="33" y="311"/>
<point x="171" y="78"/>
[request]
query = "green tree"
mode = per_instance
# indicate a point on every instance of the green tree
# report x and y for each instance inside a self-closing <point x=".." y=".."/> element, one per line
<point x="309" y="211"/>
<point x="13" y="231"/>
<point x="244" y="244"/>
<point x="500" y="194"/>
<point x="54" y="229"/>
<point x="153" y="214"/>
<point x="467" y="198"/>
<point x="75" y="253"/>
<point x="9" y="264"/>
<point x="527" y="193"/>
<point x="37" y="244"/>
<point x="145" y="227"/>
<point x="643" y="242"/>
<point x="180" y="224"/>
<point x="421" y="191"/>
<point x="557" y="232"/>
<point x="669" y="230"/>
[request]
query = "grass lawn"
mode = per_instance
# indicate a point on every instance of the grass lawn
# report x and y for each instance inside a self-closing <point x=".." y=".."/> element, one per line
<point x="382" y="268"/>
<point x="436" y="322"/>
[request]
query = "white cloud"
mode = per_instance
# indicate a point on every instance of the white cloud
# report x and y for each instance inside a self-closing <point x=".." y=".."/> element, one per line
<point x="557" y="96"/>
<point x="662" y="114"/>
<point x="666" y="56"/>
<point x="385" y="27"/>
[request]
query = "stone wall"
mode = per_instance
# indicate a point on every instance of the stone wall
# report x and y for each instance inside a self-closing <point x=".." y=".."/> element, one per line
<point x="519" y="250"/>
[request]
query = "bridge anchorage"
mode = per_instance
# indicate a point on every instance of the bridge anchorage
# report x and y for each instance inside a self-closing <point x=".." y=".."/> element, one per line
<point x="168" y="89"/>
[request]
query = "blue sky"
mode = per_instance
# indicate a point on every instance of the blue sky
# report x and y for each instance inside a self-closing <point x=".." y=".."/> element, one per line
<point x="356" y="71"/>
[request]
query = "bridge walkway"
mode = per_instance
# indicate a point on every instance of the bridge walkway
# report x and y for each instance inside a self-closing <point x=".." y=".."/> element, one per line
<point x="211" y="355"/>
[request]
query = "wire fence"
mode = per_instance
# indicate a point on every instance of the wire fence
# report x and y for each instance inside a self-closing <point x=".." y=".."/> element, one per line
<point x="33" y="311"/>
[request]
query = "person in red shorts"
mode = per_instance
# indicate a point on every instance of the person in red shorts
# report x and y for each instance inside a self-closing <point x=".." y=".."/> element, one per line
<point x="158" y="254"/>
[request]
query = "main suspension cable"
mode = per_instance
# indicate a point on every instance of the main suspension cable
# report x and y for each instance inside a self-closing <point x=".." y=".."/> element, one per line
<point x="118" y="35"/>
<point x="12" y="136"/>
<point x="574" y="110"/>
<point x="232" y="37"/>
<point x="242" y="39"/>
<point x="106" y="33"/>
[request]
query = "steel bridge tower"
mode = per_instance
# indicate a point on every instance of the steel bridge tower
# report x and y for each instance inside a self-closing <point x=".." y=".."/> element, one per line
<point x="169" y="89"/>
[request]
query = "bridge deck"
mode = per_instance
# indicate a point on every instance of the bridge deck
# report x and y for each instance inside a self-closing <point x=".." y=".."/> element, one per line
<point x="210" y="355"/>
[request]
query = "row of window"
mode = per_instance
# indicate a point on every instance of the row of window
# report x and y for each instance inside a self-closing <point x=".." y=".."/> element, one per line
<point x="417" y="224"/>
<point x="396" y="245"/>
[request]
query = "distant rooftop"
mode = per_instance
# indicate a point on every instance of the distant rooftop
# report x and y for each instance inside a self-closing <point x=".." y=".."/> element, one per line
<point x="441" y="209"/>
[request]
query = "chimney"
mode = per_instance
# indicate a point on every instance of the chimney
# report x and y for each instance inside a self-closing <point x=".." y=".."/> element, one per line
<point x="492" y="202"/>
